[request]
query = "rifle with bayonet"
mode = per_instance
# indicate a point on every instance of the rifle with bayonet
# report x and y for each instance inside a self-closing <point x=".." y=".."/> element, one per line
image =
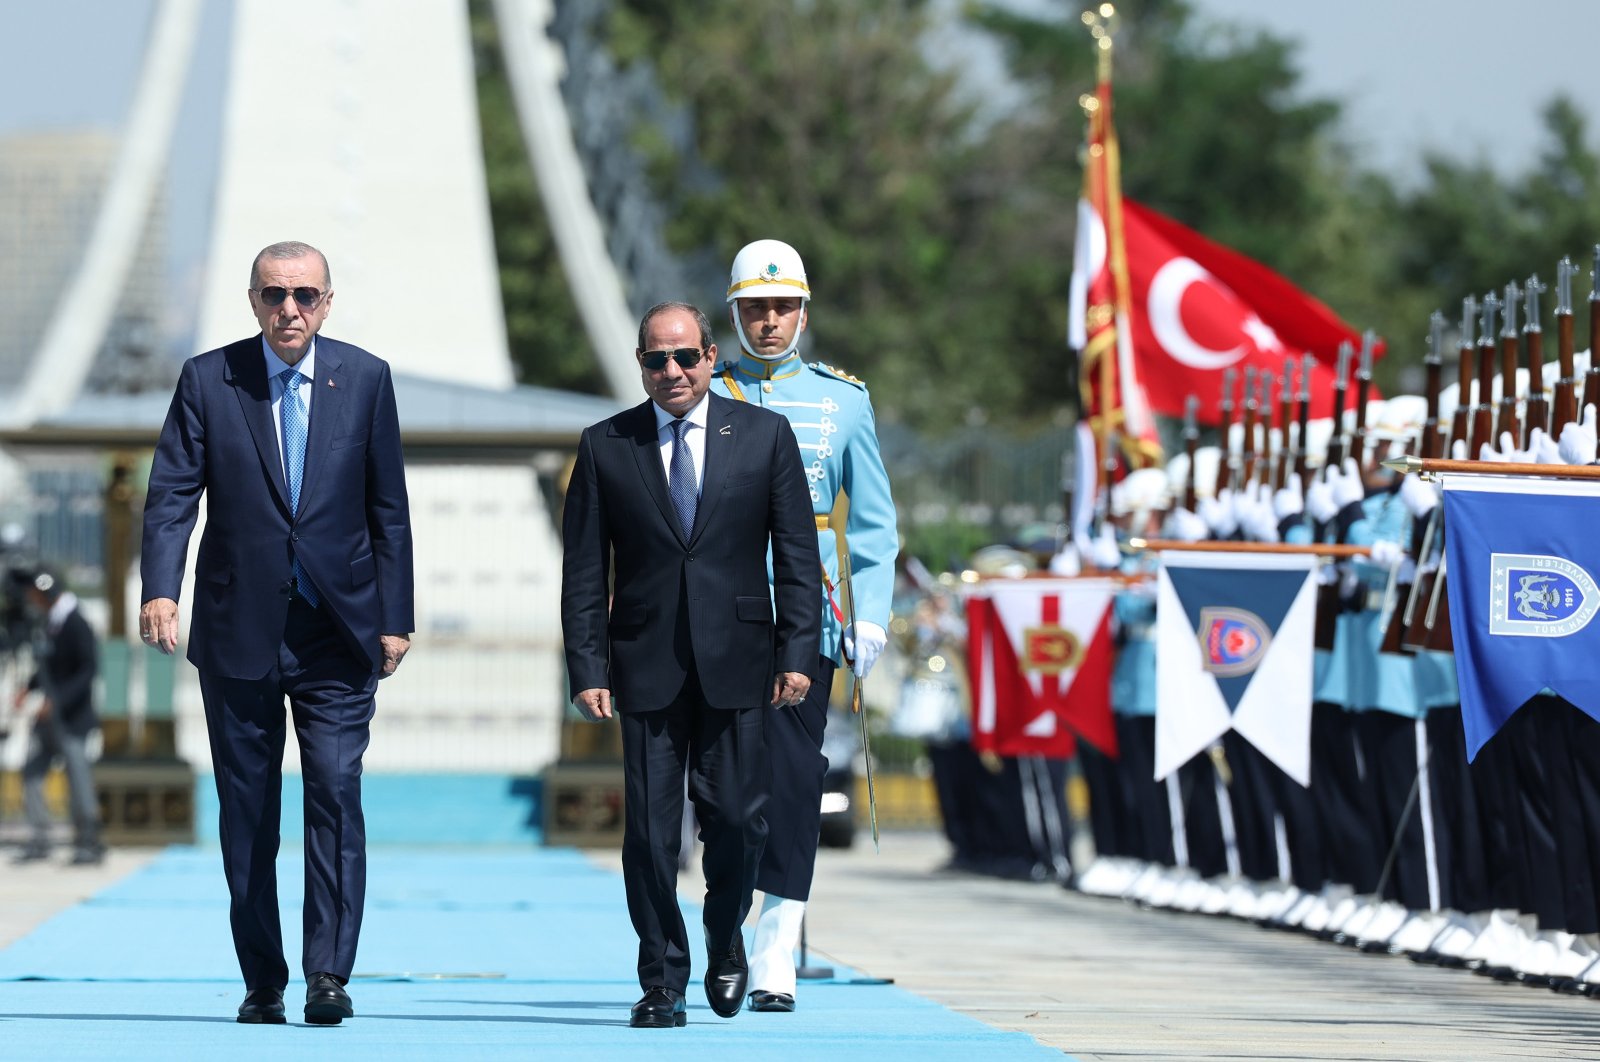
<point x="1536" y="414"/>
<point x="1336" y="440"/>
<point x="1506" y="423"/>
<point x="1483" y="412"/>
<point x="1280" y="471"/>
<point x="1460" y="422"/>
<point x="1303" y="421"/>
<point x="1566" y="393"/>
<point x="1224" y="466"/>
<point x="1358" y="446"/>
<point x="1262" y="473"/>
<point x="1591" y="379"/>
<point x="1247" y="444"/>
<point x="1430" y="445"/>
<point x="1191" y="445"/>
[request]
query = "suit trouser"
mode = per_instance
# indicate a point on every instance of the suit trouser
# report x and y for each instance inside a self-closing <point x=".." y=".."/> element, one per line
<point x="48" y="741"/>
<point x="794" y="813"/>
<point x="330" y="695"/>
<point x="725" y="752"/>
<point x="1254" y="806"/>
<point x="1108" y="808"/>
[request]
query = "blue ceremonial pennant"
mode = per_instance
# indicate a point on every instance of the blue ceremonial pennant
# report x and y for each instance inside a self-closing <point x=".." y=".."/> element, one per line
<point x="1235" y="613"/>
<point x="1522" y="558"/>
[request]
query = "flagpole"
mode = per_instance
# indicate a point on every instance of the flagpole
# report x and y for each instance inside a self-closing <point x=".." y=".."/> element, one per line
<point x="1310" y="549"/>
<point x="1433" y="466"/>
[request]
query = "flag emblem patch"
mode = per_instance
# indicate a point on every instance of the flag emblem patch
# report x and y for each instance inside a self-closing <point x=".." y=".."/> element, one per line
<point x="1534" y="596"/>
<point x="1232" y="640"/>
<point x="1050" y="650"/>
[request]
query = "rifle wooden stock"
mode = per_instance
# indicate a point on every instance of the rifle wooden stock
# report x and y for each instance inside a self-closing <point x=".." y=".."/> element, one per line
<point x="1483" y="412"/>
<point x="1247" y="444"/>
<point x="1358" y="440"/>
<point x="1460" y="425"/>
<point x="1302" y="420"/>
<point x="1430" y="427"/>
<point x="1566" y="392"/>
<point x="1507" y="419"/>
<point x="1280" y="472"/>
<point x="1591" y="389"/>
<point x="1336" y="440"/>
<point x="1537" y="412"/>
<point x="1224" y="466"/>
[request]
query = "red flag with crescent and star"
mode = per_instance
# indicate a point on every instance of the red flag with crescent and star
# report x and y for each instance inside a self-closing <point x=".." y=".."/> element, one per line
<point x="1040" y="659"/>
<point x="1199" y="308"/>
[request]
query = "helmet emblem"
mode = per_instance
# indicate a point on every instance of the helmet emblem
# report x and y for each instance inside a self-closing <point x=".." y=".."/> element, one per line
<point x="772" y="272"/>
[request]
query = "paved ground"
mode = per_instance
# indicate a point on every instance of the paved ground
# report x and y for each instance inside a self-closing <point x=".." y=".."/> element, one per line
<point x="1100" y="979"/>
<point x="1094" y="978"/>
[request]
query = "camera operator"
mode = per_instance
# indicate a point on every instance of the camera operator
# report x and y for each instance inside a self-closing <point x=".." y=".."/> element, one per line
<point x="65" y="657"/>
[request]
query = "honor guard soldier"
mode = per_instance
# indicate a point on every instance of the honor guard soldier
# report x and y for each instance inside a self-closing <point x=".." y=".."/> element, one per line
<point x="831" y="414"/>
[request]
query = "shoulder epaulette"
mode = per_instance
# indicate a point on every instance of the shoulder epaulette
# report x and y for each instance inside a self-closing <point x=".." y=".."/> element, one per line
<point x="823" y="368"/>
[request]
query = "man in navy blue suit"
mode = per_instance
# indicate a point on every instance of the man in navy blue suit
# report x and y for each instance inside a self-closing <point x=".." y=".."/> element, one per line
<point x="679" y="499"/>
<point x="303" y="589"/>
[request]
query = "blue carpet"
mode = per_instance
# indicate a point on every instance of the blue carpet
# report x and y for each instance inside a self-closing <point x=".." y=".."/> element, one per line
<point x="464" y="954"/>
<point x="413" y="809"/>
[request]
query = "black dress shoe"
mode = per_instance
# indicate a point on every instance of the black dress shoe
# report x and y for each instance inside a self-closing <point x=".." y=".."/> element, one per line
<point x="661" y="1008"/>
<point x="262" y="1006"/>
<point x="726" y="975"/>
<point x="327" y="1003"/>
<point x="772" y="1002"/>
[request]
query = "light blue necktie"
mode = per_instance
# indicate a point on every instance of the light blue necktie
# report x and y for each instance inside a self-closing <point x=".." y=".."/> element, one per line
<point x="293" y="414"/>
<point x="680" y="484"/>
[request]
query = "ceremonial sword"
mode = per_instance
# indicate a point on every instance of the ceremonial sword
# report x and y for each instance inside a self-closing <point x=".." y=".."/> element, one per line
<point x="855" y="699"/>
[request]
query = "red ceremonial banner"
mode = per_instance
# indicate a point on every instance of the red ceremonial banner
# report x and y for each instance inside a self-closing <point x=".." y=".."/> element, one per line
<point x="1040" y="659"/>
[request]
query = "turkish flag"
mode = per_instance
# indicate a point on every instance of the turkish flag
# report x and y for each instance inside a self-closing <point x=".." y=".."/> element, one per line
<point x="1040" y="660"/>
<point x="1198" y="308"/>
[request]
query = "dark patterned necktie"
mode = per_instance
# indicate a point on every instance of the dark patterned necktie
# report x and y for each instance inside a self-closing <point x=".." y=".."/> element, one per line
<point x="680" y="483"/>
<point x="293" y="414"/>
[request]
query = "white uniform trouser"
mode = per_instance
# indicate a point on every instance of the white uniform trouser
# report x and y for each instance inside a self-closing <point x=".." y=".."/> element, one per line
<point x="777" y="937"/>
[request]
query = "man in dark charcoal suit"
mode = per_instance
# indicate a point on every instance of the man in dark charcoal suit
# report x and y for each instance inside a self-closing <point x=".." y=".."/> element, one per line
<point x="303" y="589"/>
<point x="682" y="496"/>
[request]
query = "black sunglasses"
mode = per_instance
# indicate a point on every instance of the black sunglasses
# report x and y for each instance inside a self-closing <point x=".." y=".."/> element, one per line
<point x="274" y="296"/>
<point x="686" y="357"/>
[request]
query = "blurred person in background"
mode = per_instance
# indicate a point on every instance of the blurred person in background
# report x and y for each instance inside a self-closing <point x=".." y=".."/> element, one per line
<point x="832" y="417"/>
<point x="66" y="660"/>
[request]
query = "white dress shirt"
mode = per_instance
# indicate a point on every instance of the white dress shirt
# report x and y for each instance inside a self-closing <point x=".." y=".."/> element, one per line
<point x="694" y="435"/>
<point x="307" y="368"/>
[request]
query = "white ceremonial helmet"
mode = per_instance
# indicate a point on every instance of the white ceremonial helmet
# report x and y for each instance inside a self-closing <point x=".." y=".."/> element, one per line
<point x="767" y="269"/>
<point x="1141" y="491"/>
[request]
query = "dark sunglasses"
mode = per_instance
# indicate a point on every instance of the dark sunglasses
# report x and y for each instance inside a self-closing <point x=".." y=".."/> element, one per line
<point x="686" y="357"/>
<point x="307" y="298"/>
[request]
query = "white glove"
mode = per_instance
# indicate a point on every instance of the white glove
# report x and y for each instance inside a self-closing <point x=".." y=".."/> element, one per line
<point x="1419" y="497"/>
<point x="1104" y="551"/>
<point x="1256" y="518"/>
<point x="1185" y="526"/>
<point x="1328" y="574"/>
<point x="1458" y="449"/>
<point x="1066" y="562"/>
<point x="1290" y="501"/>
<point x="1386" y="554"/>
<point x="1543" y="448"/>
<point x="1507" y="452"/>
<point x="1577" y="440"/>
<point x="1319" y="498"/>
<point x="863" y="642"/>
<point x="1348" y="487"/>
<point x="1218" y="513"/>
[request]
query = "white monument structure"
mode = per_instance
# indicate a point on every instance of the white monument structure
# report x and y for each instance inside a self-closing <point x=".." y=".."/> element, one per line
<point x="353" y="125"/>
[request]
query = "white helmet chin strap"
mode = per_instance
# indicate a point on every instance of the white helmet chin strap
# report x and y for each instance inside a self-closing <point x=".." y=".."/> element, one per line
<point x="749" y="348"/>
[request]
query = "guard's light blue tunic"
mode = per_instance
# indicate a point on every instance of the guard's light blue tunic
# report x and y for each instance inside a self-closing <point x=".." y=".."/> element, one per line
<point x="1378" y="681"/>
<point x="1133" y="677"/>
<point x="832" y="418"/>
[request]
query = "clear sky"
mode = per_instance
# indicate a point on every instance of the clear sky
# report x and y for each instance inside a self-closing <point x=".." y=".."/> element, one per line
<point x="1464" y="76"/>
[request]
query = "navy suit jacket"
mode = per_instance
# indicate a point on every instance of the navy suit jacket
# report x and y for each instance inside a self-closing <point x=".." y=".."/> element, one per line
<point x="353" y="530"/>
<point x="735" y="635"/>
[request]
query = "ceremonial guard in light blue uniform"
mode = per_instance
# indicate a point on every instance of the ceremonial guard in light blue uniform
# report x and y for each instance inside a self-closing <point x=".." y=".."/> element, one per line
<point x="832" y="418"/>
